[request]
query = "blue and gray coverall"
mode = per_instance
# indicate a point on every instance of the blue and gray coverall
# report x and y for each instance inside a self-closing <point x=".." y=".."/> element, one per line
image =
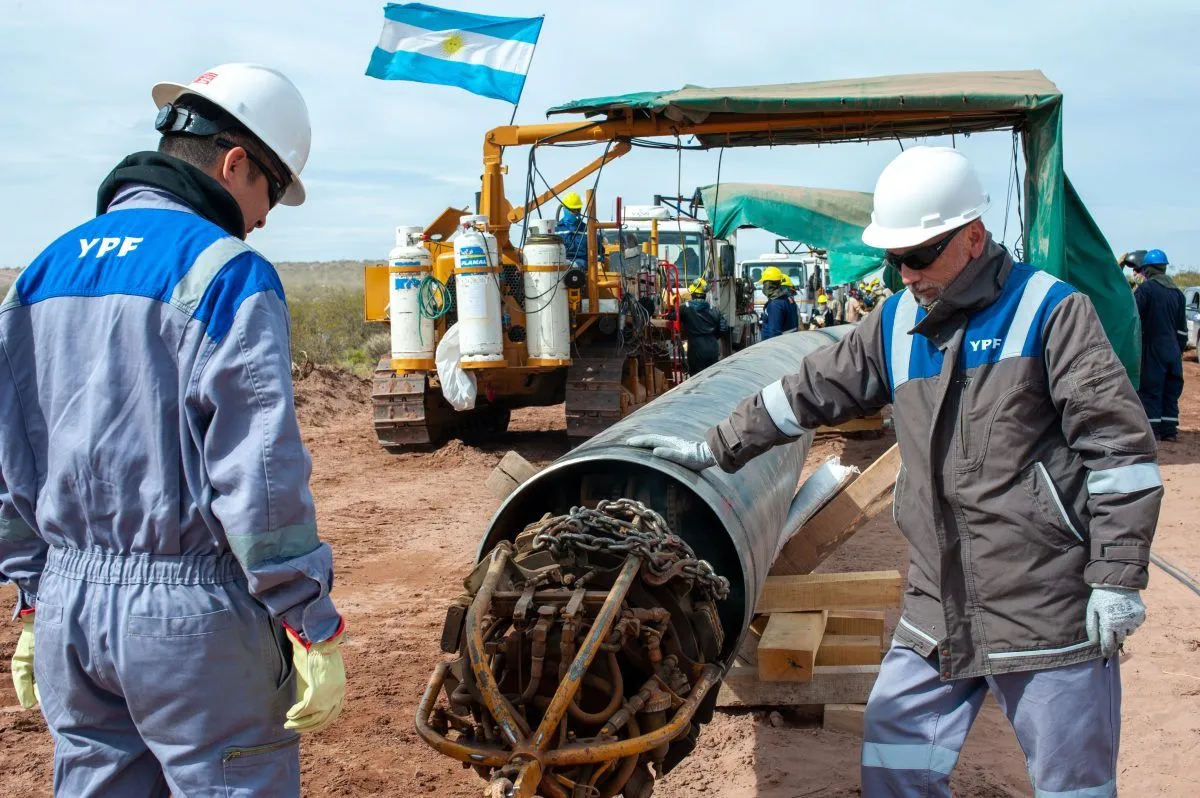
<point x="572" y="228"/>
<point x="1164" y="334"/>
<point x="154" y="503"/>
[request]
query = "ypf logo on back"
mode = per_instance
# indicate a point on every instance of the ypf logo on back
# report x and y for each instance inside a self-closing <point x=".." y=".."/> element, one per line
<point x="103" y="246"/>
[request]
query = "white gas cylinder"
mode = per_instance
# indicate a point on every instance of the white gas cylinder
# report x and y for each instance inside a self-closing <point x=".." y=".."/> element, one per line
<point x="412" y="334"/>
<point x="547" y="312"/>
<point x="477" y="294"/>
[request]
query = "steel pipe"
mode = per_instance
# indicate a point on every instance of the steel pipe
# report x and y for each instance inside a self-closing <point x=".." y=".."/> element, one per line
<point x="732" y="520"/>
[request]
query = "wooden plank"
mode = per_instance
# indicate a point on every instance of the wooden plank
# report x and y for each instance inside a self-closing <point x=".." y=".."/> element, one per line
<point x="788" y="647"/>
<point x="517" y="467"/>
<point x="844" y="684"/>
<point x="855" y="622"/>
<point x="847" y="718"/>
<point x="500" y="484"/>
<point x="845" y="514"/>
<point x="849" y="650"/>
<point x="846" y="591"/>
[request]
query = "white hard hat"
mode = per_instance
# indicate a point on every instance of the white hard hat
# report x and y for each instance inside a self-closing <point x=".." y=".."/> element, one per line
<point x="265" y="102"/>
<point x="923" y="193"/>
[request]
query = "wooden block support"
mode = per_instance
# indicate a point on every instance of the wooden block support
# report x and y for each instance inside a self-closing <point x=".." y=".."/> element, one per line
<point x="788" y="647"/>
<point x="855" y="622"/>
<point x="512" y="470"/>
<point x="845" y="684"/>
<point x="862" y="500"/>
<point x="848" y="650"/>
<point x="748" y="653"/>
<point x="848" y="591"/>
<point x="846" y="718"/>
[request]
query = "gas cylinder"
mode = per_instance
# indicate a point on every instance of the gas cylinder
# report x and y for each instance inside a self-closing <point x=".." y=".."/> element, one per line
<point x="547" y="313"/>
<point x="477" y="294"/>
<point x="412" y="333"/>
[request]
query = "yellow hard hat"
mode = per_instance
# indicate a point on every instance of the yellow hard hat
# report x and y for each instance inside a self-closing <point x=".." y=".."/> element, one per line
<point x="771" y="274"/>
<point x="786" y="281"/>
<point x="699" y="286"/>
<point x="822" y="299"/>
<point x="572" y="201"/>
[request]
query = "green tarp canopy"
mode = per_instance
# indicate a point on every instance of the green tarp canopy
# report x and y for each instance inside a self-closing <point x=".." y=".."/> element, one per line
<point x="826" y="218"/>
<point x="1060" y="235"/>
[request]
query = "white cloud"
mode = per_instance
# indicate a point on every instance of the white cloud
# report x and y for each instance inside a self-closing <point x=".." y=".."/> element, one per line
<point x="76" y="100"/>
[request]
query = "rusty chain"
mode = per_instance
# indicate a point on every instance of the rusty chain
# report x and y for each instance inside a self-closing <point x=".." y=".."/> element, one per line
<point x="624" y="527"/>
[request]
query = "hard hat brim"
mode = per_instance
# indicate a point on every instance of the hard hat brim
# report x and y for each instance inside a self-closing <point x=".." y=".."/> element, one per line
<point x="875" y="235"/>
<point x="168" y="92"/>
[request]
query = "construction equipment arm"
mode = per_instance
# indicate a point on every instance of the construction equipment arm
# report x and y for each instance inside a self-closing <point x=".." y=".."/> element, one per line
<point x="1104" y="423"/>
<point x="833" y="385"/>
<point x="259" y="469"/>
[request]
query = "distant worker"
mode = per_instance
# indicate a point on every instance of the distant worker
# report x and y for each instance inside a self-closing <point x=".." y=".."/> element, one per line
<point x="1161" y="307"/>
<point x="572" y="229"/>
<point x="855" y="309"/>
<point x="1029" y="492"/>
<point x="155" y="511"/>
<point x="780" y="314"/>
<point x="703" y="325"/>
<point x="824" y="315"/>
<point x="880" y="290"/>
<point x="836" y="307"/>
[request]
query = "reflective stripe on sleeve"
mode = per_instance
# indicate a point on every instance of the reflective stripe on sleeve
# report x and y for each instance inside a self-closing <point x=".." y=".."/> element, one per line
<point x="780" y="410"/>
<point x="281" y="544"/>
<point x="1124" y="479"/>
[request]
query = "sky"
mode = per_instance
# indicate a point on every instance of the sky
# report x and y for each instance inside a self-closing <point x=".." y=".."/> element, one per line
<point x="76" y="99"/>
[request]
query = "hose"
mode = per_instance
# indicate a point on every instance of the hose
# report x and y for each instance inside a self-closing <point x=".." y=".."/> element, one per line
<point x="1185" y="579"/>
<point x="433" y="300"/>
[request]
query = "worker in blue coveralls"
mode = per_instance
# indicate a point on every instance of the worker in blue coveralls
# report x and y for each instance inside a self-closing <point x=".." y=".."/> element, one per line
<point x="1161" y="308"/>
<point x="780" y="314"/>
<point x="572" y="228"/>
<point x="155" y="512"/>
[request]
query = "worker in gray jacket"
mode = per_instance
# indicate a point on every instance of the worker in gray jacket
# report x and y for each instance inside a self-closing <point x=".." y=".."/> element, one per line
<point x="155" y="513"/>
<point x="1029" y="491"/>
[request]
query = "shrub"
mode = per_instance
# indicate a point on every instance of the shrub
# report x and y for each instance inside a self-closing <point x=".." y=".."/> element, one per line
<point x="328" y="328"/>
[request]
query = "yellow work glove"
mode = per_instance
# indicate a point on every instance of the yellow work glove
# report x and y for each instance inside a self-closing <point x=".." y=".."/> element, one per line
<point x="320" y="684"/>
<point x="22" y="666"/>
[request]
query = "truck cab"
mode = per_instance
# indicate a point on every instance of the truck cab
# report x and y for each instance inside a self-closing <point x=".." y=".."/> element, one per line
<point x="799" y="267"/>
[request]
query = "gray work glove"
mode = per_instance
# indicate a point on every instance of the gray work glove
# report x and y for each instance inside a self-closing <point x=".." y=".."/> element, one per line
<point x="1113" y="613"/>
<point x="689" y="454"/>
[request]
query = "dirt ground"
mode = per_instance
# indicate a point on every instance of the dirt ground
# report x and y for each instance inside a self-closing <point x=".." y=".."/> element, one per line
<point x="404" y="531"/>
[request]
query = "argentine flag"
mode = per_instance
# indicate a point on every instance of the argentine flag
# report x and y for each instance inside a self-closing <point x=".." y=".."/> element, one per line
<point x="482" y="54"/>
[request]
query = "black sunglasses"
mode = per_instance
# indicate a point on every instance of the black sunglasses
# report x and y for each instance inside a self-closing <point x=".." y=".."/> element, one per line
<point x="922" y="258"/>
<point x="275" y="186"/>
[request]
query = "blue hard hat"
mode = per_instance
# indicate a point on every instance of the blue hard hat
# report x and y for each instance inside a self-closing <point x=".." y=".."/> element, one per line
<point x="1155" y="257"/>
